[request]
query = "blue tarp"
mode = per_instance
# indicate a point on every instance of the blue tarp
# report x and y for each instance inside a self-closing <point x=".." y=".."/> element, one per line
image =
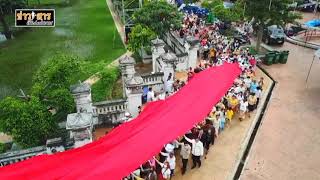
<point x="313" y="23"/>
<point x="201" y="12"/>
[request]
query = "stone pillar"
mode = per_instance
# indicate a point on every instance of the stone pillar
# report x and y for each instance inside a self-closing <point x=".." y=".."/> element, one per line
<point x="82" y="97"/>
<point x="157" y="50"/>
<point x="134" y="94"/>
<point x="194" y="46"/>
<point x="126" y="64"/>
<point x="170" y="60"/>
<point x="54" y="145"/>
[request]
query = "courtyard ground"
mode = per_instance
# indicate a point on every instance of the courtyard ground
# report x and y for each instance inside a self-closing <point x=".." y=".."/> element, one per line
<point x="287" y="144"/>
<point x="85" y="29"/>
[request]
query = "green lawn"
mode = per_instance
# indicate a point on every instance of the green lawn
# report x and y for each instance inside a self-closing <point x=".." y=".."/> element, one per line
<point x="85" y="29"/>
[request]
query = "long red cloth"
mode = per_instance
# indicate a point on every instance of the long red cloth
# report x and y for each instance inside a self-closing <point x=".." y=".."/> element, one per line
<point x="131" y="144"/>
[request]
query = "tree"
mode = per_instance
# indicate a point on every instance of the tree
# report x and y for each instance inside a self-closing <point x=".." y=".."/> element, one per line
<point x="225" y="14"/>
<point x="52" y="81"/>
<point x="140" y="37"/>
<point x="7" y="7"/>
<point x="271" y="12"/>
<point x="31" y="121"/>
<point x="159" y="16"/>
<point x="28" y="122"/>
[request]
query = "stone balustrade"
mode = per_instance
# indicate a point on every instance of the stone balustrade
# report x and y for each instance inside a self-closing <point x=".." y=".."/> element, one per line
<point x="110" y="111"/>
<point x="153" y="80"/>
<point x="17" y="156"/>
<point x="175" y="43"/>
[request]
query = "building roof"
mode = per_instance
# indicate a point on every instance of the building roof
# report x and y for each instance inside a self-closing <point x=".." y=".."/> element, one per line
<point x="80" y="88"/>
<point x="127" y="60"/>
<point x="79" y="120"/>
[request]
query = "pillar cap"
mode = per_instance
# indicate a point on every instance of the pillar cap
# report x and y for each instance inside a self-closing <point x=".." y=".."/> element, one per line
<point x="169" y="57"/>
<point x="80" y="88"/>
<point x="126" y="60"/>
<point x="157" y="42"/>
<point x="135" y="81"/>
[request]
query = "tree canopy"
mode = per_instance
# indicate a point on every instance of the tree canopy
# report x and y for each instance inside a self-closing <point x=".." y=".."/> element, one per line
<point x="232" y="14"/>
<point x="52" y="82"/>
<point x="159" y="16"/>
<point x="28" y="122"/>
<point x="272" y="12"/>
<point x="139" y="37"/>
<point x="32" y="120"/>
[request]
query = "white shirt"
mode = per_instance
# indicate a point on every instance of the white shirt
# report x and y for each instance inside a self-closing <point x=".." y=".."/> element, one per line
<point x="247" y="82"/>
<point x="258" y="93"/>
<point x="197" y="147"/>
<point x="169" y="148"/>
<point x="172" y="162"/>
<point x="166" y="173"/>
<point x="185" y="151"/>
<point x="239" y="89"/>
<point x="243" y="106"/>
<point x="150" y="96"/>
<point x="169" y="86"/>
<point x="162" y="96"/>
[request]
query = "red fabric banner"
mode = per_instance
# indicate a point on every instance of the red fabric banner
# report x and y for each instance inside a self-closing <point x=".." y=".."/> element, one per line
<point x="131" y="144"/>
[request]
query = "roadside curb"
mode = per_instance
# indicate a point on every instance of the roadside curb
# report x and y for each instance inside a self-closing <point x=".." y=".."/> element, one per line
<point x="252" y="132"/>
<point x="303" y="44"/>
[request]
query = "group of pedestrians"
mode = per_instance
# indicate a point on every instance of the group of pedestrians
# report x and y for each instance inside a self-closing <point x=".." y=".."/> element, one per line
<point x="239" y="102"/>
<point x="241" y="99"/>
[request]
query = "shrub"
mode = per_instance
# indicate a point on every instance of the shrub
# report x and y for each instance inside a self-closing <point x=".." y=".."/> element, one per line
<point x="102" y="90"/>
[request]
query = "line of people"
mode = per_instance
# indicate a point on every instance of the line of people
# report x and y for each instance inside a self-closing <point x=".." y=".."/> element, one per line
<point x="241" y="100"/>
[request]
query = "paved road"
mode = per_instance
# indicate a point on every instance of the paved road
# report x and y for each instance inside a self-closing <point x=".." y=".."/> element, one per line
<point x="287" y="145"/>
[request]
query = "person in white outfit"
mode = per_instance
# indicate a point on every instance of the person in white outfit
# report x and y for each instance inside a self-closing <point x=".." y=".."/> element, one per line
<point x="171" y="159"/>
<point x="197" y="151"/>
<point x="150" y="95"/>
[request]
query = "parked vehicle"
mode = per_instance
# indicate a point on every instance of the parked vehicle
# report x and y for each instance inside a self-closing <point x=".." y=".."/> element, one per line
<point x="273" y="35"/>
<point x="306" y="6"/>
<point x="241" y="38"/>
<point x="294" y="30"/>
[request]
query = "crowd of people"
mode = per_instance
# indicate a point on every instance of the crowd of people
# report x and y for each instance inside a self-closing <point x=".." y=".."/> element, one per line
<point x="238" y="103"/>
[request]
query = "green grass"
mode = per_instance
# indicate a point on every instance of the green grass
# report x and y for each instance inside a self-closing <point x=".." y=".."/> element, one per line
<point x="109" y="86"/>
<point x="85" y="29"/>
<point x="102" y="91"/>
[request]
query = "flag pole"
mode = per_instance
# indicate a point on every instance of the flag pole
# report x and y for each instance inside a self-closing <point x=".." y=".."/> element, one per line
<point x="314" y="56"/>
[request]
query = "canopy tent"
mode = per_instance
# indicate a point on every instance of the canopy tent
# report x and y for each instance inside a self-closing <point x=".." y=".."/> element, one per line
<point x="131" y="144"/>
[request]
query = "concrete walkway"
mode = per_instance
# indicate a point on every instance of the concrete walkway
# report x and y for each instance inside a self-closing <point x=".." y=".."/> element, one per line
<point x="287" y="145"/>
<point x="227" y="151"/>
